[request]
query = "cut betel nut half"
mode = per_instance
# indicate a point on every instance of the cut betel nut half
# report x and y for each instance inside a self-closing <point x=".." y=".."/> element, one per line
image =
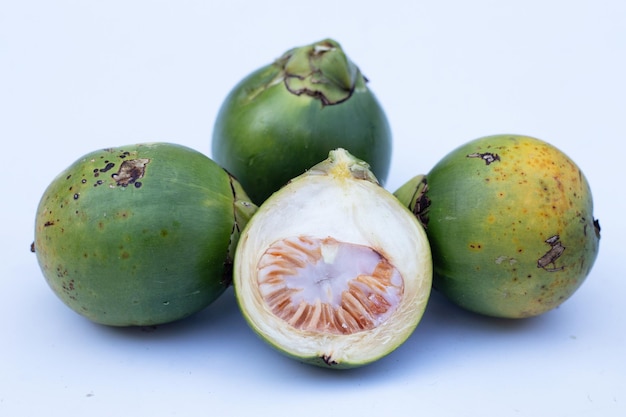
<point x="332" y="269"/>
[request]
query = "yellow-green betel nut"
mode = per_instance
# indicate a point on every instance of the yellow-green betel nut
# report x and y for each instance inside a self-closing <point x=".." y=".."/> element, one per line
<point x="332" y="270"/>
<point x="510" y="223"/>
<point x="140" y="234"/>
<point x="287" y="116"/>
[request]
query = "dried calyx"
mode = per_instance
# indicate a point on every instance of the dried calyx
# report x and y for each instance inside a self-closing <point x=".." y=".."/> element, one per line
<point x="321" y="70"/>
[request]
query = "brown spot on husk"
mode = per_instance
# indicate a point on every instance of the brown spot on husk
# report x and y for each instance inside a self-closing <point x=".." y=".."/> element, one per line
<point x="488" y="157"/>
<point x="130" y="171"/>
<point x="550" y="257"/>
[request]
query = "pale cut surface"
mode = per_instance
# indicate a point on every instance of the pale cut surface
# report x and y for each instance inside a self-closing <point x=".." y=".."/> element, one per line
<point x="327" y="286"/>
<point x="352" y="212"/>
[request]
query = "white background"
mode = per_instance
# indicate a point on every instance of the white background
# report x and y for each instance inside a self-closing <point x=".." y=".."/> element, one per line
<point x="76" y="76"/>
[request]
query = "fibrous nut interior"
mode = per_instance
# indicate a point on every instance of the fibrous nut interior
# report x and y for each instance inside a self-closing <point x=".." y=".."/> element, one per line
<point x="327" y="286"/>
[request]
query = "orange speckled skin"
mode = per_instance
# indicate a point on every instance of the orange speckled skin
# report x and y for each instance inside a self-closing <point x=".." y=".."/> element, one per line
<point x="511" y="226"/>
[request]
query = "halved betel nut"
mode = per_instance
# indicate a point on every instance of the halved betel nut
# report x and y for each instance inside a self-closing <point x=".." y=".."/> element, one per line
<point x="332" y="269"/>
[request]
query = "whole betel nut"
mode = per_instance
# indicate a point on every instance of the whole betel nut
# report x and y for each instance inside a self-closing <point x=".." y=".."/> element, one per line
<point x="141" y="234"/>
<point x="510" y="223"/>
<point x="287" y="116"/>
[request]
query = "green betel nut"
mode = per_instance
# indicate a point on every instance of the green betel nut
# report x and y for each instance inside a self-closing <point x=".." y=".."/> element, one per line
<point x="140" y="234"/>
<point x="287" y="116"/>
<point x="510" y="223"/>
<point x="332" y="270"/>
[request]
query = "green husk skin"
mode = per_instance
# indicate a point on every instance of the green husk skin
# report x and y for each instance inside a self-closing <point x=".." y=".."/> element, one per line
<point x="412" y="194"/>
<point x="149" y="252"/>
<point x="322" y="362"/>
<point x="286" y="117"/>
<point x="510" y="223"/>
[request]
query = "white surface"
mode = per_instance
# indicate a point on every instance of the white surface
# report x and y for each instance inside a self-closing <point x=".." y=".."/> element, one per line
<point x="76" y="76"/>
